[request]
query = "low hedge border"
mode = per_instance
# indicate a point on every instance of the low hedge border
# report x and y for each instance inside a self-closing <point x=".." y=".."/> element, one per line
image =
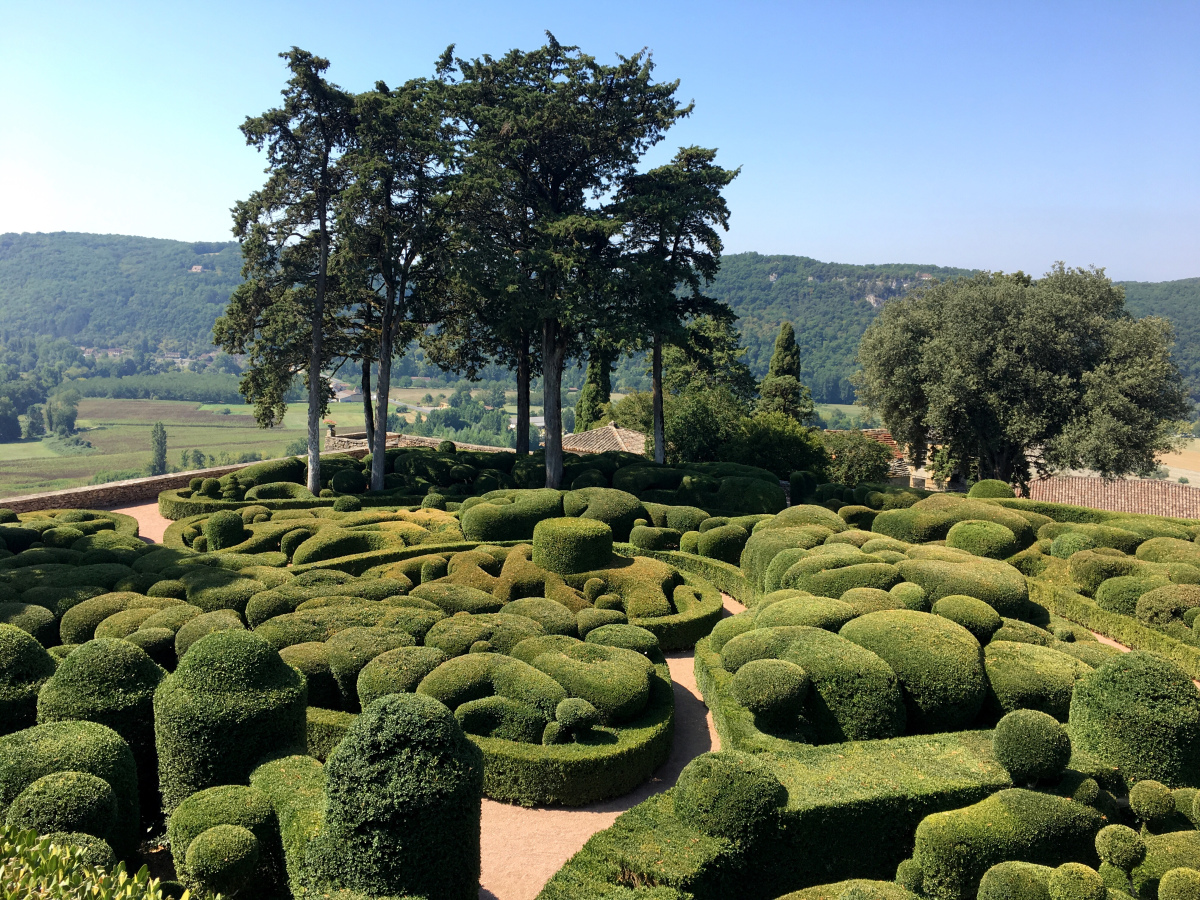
<point x="727" y="578"/>
<point x="1123" y="629"/>
<point x="837" y="824"/>
<point x="1084" y="515"/>
<point x="577" y="774"/>
<point x="172" y="506"/>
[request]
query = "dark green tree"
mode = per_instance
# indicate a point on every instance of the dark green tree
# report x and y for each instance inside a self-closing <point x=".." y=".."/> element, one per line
<point x="285" y="229"/>
<point x="855" y="458"/>
<point x="158" y="449"/>
<point x="595" y="393"/>
<point x="710" y="355"/>
<point x="671" y="215"/>
<point x="781" y="390"/>
<point x="35" y="422"/>
<point x="10" y="424"/>
<point x="1017" y="376"/>
<point x="549" y="135"/>
<point x="393" y="231"/>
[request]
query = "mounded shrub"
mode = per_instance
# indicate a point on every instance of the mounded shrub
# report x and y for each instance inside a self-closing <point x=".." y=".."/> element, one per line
<point x="1015" y="880"/>
<point x="956" y="848"/>
<point x="111" y="682"/>
<point x="350" y="650"/>
<point x="36" y="620"/>
<point x="1120" y="846"/>
<point x="224" y="529"/>
<point x="205" y="624"/>
<point x="858" y="516"/>
<point x="474" y="675"/>
<point x="1031" y="677"/>
<point x="982" y="538"/>
<point x="616" y="509"/>
<point x="627" y="637"/>
<point x="222" y="859"/>
<point x="974" y="615"/>
<point x="1075" y="881"/>
<point x="1182" y="883"/>
<point x="646" y="537"/>
<point x="729" y="794"/>
<point x="1164" y="852"/>
<point x="65" y="801"/>
<point x="403" y="803"/>
<point x="77" y="746"/>
<point x="228" y="804"/>
<point x="995" y="583"/>
<point x="550" y="614"/>
<point x="773" y="689"/>
<point x="312" y="660"/>
<point x="1068" y="544"/>
<point x="24" y="668"/>
<point x="1152" y="802"/>
<point x="158" y="644"/>
<point x="816" y="612"/>
<point x="457" y="634"/>
<point x="1140" y="712"/>
<point x="990" y="488"/>
<point x="1121" y="594"/>
<point x="614" y="680"/>
<point x="1032" y="746"/>
<point x="231" y="702"/>
<point x="1019" y="632"/>
<point x="724" y="542"/>
<point x="1166" y="605"/>
<point x="939" y="665"/>
<point x="348" y="481"/>
<point x="568" y="546"/>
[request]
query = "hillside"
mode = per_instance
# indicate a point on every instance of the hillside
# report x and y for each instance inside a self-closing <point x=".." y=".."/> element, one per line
<point x="112" y="290"/>
<point x="115" y="290"/>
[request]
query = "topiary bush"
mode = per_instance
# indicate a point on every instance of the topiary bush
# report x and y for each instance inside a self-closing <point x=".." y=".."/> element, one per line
<point x="1032" y="746"/>
<point x="1067" y="545"/>
<point x="774" y="690"/>
<point x="1181" y="883"/>
<point x="982" y="538"/>
<point x="227" y="804"/>
<point x="397" y="671"/>
<point x="974" y="615"/>
<point x="569" y="546"/>
<point x="222" y="859"/>
<point x="224" y="529"/>
<point x="939" y="665"/>
<point x="24" y="668"/>
<point x="990" y="488"/>
<point x="231" y="702"/>
<point x="729" y="794"/>
<point x="1030" y="676"/>
<point x="1075" y="881"/>
<point x="1141" y="713"/>
<point x="724" y="542"/>
<point x="403" y="804"/>
<point x="66" y="801"/>
<point x="1152" y="802"/>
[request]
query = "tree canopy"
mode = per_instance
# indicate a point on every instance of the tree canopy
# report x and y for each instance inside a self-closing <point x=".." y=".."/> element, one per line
<point x="1015" y="376"/>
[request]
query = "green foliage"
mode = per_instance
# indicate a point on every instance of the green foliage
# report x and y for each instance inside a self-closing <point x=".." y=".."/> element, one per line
<point x="1120" y="846"/>
<point x="228" y="805"/>
<point x="856" y="458"/>
<point x="1029" y="676"/>
<point x="773" y="689"/>
<point x="938" y="663"/>
<point x="974" y="615"/>
<point x="65" y="801"/>
<point x="1075" y="881"/>
<point x="569" y="546"/>
<point x="1182" y="883"/>
<point x="990" y="488"/>
<point x="1140" y="712"/>
<point x="775" y="441"/>
<point x="68" y="865"/>
<point x="24" y="668"/>
<point x="1032" y="746"/>
<point x="231" y="702"/>
<point x="956" y="848"/>
<point x="403" y="792"/>
<point x="929" y="365"/>
<point x="729" y="794"/>
<point x="781" y="391"/>
<point x="1152" y="803"/>
<point x="223" y="859"/>
<point x="981" y="538"/>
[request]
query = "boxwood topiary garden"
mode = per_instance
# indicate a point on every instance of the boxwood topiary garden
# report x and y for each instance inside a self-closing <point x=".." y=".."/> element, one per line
<point x="309" y="696"/>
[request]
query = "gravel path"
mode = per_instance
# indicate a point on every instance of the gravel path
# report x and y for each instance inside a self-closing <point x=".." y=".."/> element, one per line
<point x="522" y="848"/>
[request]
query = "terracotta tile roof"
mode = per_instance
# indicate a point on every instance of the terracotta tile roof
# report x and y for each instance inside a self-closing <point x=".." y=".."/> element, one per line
<point x="607" y="437"/>
<point x="1152" y="496"/>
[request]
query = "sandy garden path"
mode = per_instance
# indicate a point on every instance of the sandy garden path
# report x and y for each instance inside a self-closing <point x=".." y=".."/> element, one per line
<point x="522" y="848"/>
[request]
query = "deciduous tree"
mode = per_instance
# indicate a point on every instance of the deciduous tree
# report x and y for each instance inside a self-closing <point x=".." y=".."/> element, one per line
<point x="1017" y="376"/>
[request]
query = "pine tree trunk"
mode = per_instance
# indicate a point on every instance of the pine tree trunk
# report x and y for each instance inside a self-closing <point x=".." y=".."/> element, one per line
<point x="660" y="441"/>
<point x="384" y="386"/>
<point x="522" y="443"/>
<point x="554" y="347"/>
<point x="314" y="363"/>
<point x="368" y="414"/>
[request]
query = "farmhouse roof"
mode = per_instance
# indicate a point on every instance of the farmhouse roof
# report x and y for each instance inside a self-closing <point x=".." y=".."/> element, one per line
<point x="1152" y="496"/>
<point x="607" y="437"/>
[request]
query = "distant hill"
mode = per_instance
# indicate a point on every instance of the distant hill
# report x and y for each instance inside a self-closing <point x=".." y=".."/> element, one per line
<point x="830" y="305"/>
<point x="115" y="290"/>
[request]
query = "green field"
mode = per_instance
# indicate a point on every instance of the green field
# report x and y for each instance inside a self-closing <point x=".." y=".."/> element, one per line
<point x="119" y="430"/>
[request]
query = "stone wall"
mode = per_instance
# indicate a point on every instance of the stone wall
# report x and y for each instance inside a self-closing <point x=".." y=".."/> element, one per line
<point x="122" y="493"/>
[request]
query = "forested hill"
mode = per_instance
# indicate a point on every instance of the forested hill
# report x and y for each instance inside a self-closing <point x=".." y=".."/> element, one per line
<point x="109" y="290"/>
<point x="112" y="290"/>
<point x="829" y="304"/>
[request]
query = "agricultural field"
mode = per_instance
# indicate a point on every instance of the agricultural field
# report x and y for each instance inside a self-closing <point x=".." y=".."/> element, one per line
<point x="119" y="431"/>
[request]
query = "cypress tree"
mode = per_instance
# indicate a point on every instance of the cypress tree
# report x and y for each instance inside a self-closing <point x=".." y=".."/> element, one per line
<point x="158" y="444"/>
<point x="781" y="391"/>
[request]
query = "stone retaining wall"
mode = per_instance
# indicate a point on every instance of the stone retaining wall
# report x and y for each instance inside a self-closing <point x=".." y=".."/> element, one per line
<point x="122" y="493"/>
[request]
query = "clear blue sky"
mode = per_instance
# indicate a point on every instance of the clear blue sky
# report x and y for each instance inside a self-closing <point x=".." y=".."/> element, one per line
<point x="1000" y="136"/>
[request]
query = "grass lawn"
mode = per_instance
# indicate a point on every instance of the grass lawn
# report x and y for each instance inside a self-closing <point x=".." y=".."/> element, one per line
<point x="119" y="430"/>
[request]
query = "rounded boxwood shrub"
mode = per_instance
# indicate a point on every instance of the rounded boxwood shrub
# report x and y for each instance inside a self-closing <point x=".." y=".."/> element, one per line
<point x="816" y="612"/>
<point x="24" y="668"/>
<point x="550" y="614"/>
<point x="350" y="650"/>
<point x="311" y="658"/>
<point x="1075" y="881"/>
<point x="36" y="620"/>
<point x="974" y="615"/>
<point x="1167" y="604"/>
<point x="124" y="623"/>
<point x="996" y="583"/>
<point x="858" y="516"/>
<point x="65" y="801"/>
<point x="991" y="488"/>
<point x="1070" y="543"/>
<point x="1030" y="676"/>
<point x="77" y="746"/>
<point x="1141" y="713"/>
<point x="1152" y="802"/>
<point x="403" y="803"/>
<point x="614" y="680"/>
<point x="205" y="624"/>
<point x="1120" y="846"/>
<point x="158" y="644"/>
<point x="231" y="702"/>
<point x="939" y="665"/>
<point x="865" y="600"/>
<point x="646" y="537"/>
<point x="473" y="675"/>
<point x="397" y="671"/>
<point x="912" y="596"/>
<point x="1180" y="883"/>
<point x="729" y="794"/>
<point x="628" y="637"/>
<point x="1015" y="880"/>
<point x="348" y="481"/>
<point x="1031" y="746"/>
<point x="224" y="529"/>
<point x="111" y="682"/>
<point x="982" y="538"/>
<point x="227" y="804"/>
<point x="222" y="859"/>
<point x="568" y="546"/>
<point x="773" y="689"/>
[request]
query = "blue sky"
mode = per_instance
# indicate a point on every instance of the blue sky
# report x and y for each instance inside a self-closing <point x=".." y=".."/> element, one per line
<point x="1000" y="136"/>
